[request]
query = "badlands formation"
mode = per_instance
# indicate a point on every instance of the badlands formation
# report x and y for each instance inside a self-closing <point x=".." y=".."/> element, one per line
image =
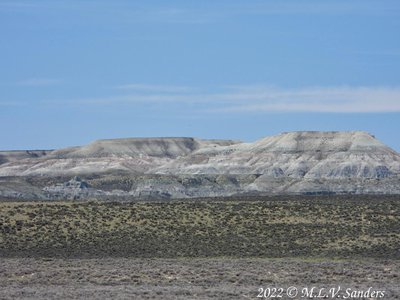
<point x="289" y="163"/>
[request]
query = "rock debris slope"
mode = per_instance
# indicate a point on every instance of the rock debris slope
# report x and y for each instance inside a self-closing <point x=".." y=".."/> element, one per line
<point x="294" y="162"/>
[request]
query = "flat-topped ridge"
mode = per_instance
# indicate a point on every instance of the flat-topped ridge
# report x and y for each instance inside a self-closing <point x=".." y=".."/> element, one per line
<point x="294" y="162"/>
<point x="321" y="141"/>
<point x="154" y="147"/>
<point x="328" y="132"/>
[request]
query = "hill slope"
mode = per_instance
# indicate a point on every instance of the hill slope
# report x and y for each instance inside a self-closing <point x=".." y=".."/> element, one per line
<point x="296" y="154"/>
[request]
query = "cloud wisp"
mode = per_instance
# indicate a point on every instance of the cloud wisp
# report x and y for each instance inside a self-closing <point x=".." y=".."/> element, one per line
<point x="154" y="88"/>
<point x="17" y="5"/>
<point x="12" y="103"/>
<point x="315" y="7"/>
<point x="256" y="99"/>
<point x="39" y="82"/>
<point x="316" y="99"/>
<point x="209" y="13"/>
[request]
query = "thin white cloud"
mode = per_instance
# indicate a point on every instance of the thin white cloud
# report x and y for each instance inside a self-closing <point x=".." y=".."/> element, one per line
<point x="316" y="99"/>
<point x="175" y="15"/>
<point x="246" y="99"/>
<point x="329" y="107"/>
<point x="311" y="7"/>
<point x="39" y="82"/>
<point x="204" y="13"/>
<point x="133" y="99"/>
<point x="130" y="12"/>
<point x="214" y="12"/>
<point x="17" y="4"/>
<point x="376" y="53"/>
<point x="22" y="6"/>
<point x="10" y="103"/>
<point x="154" y="88"/>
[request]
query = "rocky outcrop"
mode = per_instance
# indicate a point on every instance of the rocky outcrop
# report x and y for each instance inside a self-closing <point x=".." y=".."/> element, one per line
<point x="297" y="154"/>
<point x="134" y="155"/>
<point x="74" y="189"/>
<point x="294" y="162"/>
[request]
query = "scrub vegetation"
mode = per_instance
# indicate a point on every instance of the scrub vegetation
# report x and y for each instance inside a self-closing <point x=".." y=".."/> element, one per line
<point x="324" y="226"/>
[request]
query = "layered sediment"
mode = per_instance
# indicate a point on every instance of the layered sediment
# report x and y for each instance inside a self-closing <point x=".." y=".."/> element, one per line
<point x="289" y="163"/>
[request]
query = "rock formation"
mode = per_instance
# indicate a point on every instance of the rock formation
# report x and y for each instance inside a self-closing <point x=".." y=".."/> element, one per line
<point x="294" y="162"/>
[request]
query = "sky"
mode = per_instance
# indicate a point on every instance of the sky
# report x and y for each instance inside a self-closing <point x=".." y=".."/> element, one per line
<point x="75" y="71"/>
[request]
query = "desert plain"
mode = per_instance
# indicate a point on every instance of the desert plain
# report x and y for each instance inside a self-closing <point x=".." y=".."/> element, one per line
<point x="224" y="248"/>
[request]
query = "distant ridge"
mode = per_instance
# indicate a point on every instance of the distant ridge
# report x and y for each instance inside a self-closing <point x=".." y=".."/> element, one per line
<point x="155" y="147"/>
<point x="291" y="162"/>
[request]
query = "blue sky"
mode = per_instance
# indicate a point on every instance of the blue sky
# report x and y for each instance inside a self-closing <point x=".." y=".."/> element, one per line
<point x="75" y="71"/>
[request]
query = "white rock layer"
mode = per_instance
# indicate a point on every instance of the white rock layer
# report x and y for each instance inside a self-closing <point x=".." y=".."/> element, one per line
<point x="294" y="162"/>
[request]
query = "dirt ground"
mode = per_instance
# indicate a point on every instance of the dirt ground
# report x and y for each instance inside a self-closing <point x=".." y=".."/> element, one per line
<point x="209" y="278"/>
<point x="233" y="249"/>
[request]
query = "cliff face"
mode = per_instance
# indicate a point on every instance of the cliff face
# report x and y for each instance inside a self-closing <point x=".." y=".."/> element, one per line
<point x="294" y="162"/>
